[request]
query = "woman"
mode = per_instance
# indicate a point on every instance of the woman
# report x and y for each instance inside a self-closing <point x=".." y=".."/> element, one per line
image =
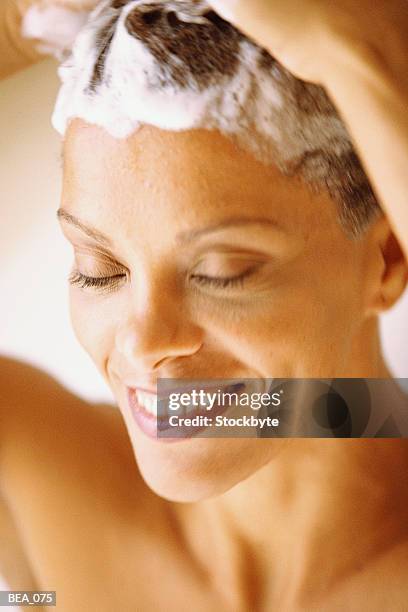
<point x="175" y="276"/>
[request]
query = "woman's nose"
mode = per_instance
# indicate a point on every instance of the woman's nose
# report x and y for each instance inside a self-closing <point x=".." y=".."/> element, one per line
<point x="162" y="331"/>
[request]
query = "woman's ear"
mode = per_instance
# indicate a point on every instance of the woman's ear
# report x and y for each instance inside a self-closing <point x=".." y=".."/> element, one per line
<point x="391" y="276"/>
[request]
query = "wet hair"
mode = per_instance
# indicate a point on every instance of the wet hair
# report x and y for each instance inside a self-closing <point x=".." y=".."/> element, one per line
<point x="178" y="65"/>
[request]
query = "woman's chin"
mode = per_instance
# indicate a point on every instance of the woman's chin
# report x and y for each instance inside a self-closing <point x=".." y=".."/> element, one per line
<point x="194" y="470"/>
<point x="179" y="489"/>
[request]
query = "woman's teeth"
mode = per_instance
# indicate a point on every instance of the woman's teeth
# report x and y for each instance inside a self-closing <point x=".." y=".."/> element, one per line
<point x="147" y="401"/>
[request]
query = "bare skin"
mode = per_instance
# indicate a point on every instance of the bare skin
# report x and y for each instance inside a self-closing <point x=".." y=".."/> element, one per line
<point x="295" y="525"/>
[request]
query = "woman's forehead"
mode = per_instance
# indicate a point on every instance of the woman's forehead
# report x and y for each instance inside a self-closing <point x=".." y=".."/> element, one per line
<point x="205" y="159"/>
<point x="199" y="176"/>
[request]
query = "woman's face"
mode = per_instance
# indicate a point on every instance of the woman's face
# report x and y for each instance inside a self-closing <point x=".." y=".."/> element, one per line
<point x="207" y="264"/>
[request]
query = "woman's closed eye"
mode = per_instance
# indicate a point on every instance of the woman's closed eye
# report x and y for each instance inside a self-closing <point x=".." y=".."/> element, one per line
<point x="96" y="272"/>
<point x="217" y="271"/>
<point x="105" y="283"/>
<point x="222" y="282"/>
<point x="225" y="272"/>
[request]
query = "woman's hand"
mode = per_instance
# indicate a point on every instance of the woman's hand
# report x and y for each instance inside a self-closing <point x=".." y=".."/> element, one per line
<point x="358" y="50"/>
<point x="310" y="36"/>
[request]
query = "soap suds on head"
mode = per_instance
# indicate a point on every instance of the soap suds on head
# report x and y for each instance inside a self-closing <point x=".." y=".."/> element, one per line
<point x="177" y="65"/>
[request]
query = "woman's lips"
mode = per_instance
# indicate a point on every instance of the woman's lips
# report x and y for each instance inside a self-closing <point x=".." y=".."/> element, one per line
<point x="146" y="421"/>
<point x="151" y="423"/>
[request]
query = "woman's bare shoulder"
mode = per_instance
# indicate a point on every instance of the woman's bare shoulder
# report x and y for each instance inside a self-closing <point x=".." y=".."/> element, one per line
<point x="51" y="437"/>
<point x="15" y="567"/>
<point x="34" y="402"/>
<point x="69" y="483"/>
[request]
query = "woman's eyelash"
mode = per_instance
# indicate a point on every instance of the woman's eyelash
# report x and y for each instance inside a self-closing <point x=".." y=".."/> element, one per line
<point x="223" y="283"/>
<point x="109" y="283"/>
<point x="95" y="282"/>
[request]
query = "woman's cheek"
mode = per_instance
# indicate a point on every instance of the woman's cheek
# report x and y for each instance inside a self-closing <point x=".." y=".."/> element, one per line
<point x="94" y="324"/>
<point x="289" y="334"/>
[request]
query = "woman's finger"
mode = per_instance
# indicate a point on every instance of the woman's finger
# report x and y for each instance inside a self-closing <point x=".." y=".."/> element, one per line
<point x="291" y="30"/>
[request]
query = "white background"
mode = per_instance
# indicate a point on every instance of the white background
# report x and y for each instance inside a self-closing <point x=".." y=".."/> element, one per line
<point x="35" y="261"/>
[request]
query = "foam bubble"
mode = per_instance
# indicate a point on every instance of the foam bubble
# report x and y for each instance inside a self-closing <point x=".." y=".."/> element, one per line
<point x="55" y="26"/>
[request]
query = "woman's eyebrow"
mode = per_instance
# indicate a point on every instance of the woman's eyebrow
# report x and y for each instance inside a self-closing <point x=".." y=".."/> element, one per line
<point x="89" y="231"/>
<point x="190" y="235"/>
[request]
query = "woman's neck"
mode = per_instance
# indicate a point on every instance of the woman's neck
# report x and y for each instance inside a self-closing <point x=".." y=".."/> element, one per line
<point x="320" y="512"/>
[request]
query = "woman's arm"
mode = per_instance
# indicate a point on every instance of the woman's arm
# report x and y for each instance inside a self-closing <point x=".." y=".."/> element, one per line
<point x="371" y="93"/>
<point x="16" y="52"/>
<point x="50" y="27"/>
<point x="358" y="50"/>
